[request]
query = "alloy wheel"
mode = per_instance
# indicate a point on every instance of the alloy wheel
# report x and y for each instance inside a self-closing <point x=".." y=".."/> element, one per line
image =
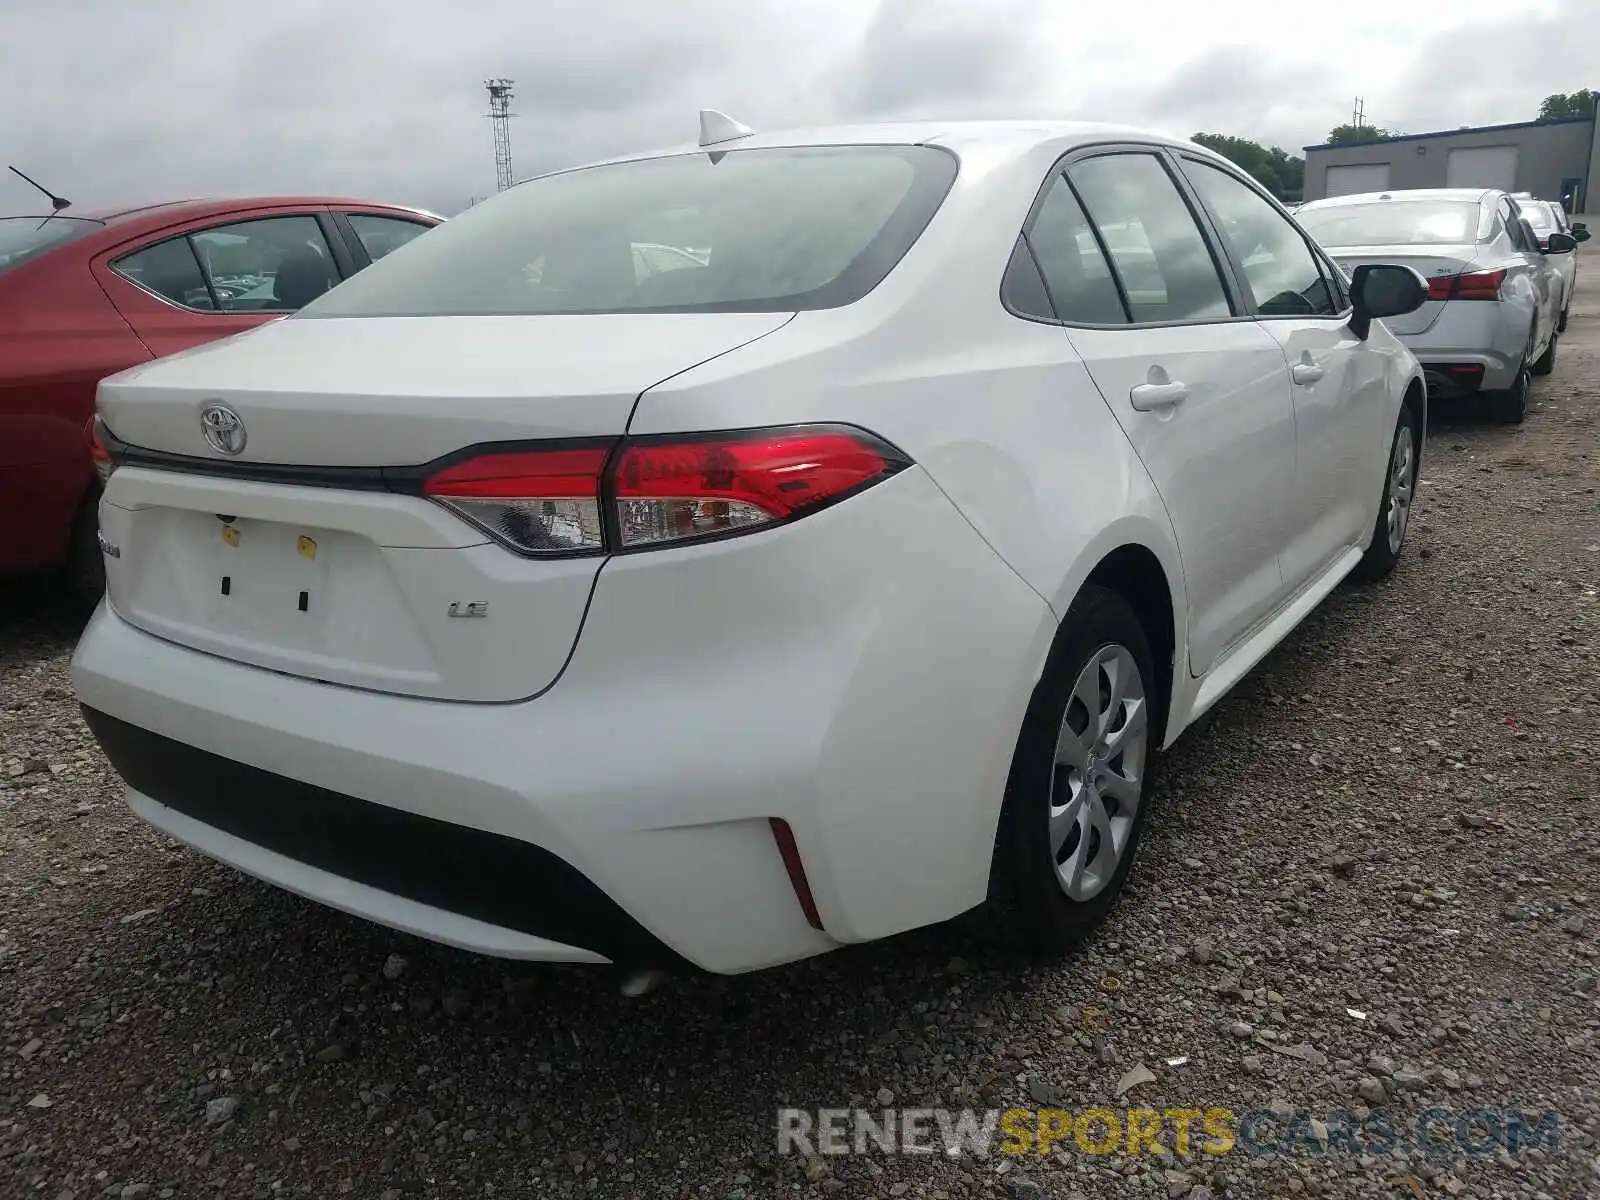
<point x="1099" y="772"/>
<point x="1402" y="486"/>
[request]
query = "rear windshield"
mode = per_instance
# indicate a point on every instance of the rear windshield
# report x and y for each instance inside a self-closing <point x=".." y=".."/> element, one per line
<point x="22" y="238"/>
<point x="763" y="230"/>
<point x="1393" y="223"/>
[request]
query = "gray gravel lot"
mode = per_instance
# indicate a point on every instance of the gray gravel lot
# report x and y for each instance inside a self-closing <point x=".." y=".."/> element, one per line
<point x="1396" y="814"/>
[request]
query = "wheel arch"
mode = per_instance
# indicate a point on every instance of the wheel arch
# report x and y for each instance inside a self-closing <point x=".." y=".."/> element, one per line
<point x="1133" y="571"/>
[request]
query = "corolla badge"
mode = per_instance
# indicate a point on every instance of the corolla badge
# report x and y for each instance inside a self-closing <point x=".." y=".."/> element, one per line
<point x="222" y="428"/>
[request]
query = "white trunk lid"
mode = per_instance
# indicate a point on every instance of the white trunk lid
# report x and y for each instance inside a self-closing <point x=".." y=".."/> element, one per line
<point x="1434" y="261"/>
<point x="335" y="577"/>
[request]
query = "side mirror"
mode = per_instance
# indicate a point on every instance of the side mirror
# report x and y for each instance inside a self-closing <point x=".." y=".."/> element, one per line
<point x="1580" y="232"/>
<point x="1378" y="291"/>
<point x="1561" y="243"/>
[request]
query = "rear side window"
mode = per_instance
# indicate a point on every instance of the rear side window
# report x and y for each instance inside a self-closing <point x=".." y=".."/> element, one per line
<point x="170" y="270"/>
<point x="1161" y="258"/>
<point x="22" y="238"/>
<point x="274" y="264"/>
<point x="761" y="230"/>
<point x="1074" y="269"/>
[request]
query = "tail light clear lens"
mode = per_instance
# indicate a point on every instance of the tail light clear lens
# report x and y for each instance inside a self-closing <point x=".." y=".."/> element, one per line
<point x="669" y="491"/>
<point x="98" y="455"/>
<point x="537" y="502"/>
<point x="659" y="491"/>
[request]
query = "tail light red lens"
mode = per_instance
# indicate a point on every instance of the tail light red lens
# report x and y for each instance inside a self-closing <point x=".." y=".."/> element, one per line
<point x="672" y="490"/>
<point x="639" y="493"/>
<point x="1478" y="285"/>
<point x="98" y="455"/>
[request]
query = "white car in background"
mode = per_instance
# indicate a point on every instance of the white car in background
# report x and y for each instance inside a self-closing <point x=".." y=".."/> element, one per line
<point x="1546" y="218"/>
<point x="836" y="584"/>
<point x="1494" y="296"/>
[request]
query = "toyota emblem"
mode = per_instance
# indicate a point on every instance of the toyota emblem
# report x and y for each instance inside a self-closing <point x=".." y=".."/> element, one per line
<point x="223" y="429"/>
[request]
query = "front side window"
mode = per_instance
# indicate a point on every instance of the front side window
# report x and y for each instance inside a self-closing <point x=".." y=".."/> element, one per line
<point x="762" y="230"/>
<point x="381" y="235"/>
<point x="1278" y="265"/>
<point x="1161" y="257"/>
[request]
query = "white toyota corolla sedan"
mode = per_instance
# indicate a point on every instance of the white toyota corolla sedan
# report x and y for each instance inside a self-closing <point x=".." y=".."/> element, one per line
<point x="833" y="577"/>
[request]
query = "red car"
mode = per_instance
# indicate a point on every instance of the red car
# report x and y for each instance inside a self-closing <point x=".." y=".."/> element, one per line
<point x="85" y="295"/>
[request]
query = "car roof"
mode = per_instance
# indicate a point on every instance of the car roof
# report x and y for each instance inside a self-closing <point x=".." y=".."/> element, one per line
<point x="133" y="218"/>
<point x="1009" y="137"/>
<point x="1463" y="195"/>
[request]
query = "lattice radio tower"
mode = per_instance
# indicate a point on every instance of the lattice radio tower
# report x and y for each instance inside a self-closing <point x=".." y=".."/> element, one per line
<point x="500" y="115"/>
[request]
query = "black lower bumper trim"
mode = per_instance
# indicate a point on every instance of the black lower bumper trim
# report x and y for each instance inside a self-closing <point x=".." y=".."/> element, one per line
<point x="487" y="876"/>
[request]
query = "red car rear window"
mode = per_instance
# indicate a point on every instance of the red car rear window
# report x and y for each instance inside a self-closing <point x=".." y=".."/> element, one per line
<point x="22" y="238"/>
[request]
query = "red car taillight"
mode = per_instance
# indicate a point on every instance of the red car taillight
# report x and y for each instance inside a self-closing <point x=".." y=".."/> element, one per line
<point x="1479" y="285"/>
<point x="103" y="463"/>
<point x="645" y="492"/>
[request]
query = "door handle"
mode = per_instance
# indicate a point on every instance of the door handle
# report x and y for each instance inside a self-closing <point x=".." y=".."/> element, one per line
<point x="1148" y="397"/>
<point x="1306" y="373"/>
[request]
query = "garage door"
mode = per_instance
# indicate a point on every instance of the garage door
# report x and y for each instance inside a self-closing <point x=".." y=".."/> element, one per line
<point x="1365" y="177"/>
<point x="1482" y="166"/>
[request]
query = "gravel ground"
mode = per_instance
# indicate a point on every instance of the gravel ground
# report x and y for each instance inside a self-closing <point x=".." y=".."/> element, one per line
<point x="1396" y="814"/>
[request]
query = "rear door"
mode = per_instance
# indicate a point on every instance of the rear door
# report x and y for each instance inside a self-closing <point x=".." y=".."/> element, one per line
<point x="1200" y="389"/>
<point x="1338" y="385"/>
<point x="193" y="284"/>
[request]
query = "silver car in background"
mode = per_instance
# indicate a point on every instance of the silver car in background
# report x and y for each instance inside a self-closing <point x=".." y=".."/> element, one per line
<point x="1494" y="295"/>
<point x="1547" y="217"/>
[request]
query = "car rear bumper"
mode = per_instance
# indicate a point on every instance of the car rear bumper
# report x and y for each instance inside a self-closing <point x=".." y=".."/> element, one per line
<point x="860" y="675"/>
<point x="1472" y="334"/>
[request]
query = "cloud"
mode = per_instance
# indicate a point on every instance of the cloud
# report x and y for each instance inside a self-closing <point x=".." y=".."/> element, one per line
<point x="112" y="102"/>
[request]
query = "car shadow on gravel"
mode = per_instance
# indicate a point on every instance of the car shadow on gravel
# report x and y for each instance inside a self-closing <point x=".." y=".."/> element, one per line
<point x="41" y="616"/>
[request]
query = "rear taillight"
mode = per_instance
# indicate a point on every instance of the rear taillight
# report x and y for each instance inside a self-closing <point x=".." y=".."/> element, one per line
<point x="536" y="501"/>
<point x="667" y="491"/>
<point x="98" y="454"/>
<point x="1478" y="285"/>
<point x="645" y="492"/>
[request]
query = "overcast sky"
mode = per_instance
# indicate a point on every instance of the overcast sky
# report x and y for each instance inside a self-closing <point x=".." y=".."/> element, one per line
<point x="111" y="101"/>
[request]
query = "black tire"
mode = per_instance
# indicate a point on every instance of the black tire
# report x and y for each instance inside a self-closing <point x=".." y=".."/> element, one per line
<point x="1028" y="910"/>
<point x="1510" y="407"/>
<point x="1547" y="361"/>
<point x="1383" y="552"/>
<point x="1561" y="325"/>
<point x="86" y="565"/>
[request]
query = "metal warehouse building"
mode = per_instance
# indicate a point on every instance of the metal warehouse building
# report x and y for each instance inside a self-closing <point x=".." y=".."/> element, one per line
<point x="1551" y="159"/>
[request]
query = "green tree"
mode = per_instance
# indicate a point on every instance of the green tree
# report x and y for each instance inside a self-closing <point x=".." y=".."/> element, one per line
<point x="1355" y="133"/>
<point x="1560" y="105"/>
<point x="1275" y="169"/>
